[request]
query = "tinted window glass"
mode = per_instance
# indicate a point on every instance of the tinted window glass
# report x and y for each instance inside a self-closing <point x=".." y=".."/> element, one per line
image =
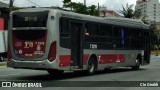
<point x="29" y="34"/>
<point x="92" y="28"/>
<point x="117" y="31"/>
<point x="105" y="30"/>
<point x="91" y="32"/>
<point x="30" y="19"/>
<point x="64" y="27"/>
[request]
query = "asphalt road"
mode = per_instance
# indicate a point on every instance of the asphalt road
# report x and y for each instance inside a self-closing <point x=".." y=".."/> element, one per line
<point x="146" y="73"/>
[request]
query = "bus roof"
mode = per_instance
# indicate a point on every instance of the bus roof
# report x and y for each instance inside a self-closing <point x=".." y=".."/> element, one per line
<point x="109" y="20"/>
<point x="126" y="22"/>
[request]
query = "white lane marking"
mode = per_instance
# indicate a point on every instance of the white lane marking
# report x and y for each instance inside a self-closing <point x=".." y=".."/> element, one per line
<point x="10" y="75"/>
<point x="22" y="73"/>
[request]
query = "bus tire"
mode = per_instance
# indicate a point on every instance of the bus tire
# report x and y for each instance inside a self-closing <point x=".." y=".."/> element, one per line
<point x="55" y="72"/>
<point x="137" y="66"/>
<point x="107" y="69"/>
<point x="91" y="66"/>
<point x="1" y="58"/>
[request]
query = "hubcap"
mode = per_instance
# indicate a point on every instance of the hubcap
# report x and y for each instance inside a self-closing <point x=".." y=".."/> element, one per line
<point x="92" y="67"/>
<point x="1" y="58"/>
<point x="137" y="62"/>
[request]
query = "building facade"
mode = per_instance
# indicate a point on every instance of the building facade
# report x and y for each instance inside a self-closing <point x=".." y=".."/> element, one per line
<point x="103" y="12"/>
<point x="4" y="15"/>
<point x="149" y="8"/>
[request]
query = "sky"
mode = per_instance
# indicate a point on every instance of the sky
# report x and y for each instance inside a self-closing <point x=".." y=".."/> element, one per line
<point x="110" y="4"/>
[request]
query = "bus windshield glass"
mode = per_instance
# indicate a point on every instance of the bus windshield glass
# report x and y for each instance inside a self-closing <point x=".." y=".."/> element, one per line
<point x="30" y="19"/>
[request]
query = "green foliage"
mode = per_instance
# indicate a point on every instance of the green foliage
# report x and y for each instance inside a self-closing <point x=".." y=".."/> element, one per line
<point x="93" y="11"/>
<point x="66" y="1"/>
<point x="128" y="12"/>
<point x="153" y="35"/>
<point x="145" y="20"/>
<point x="80" y="8"/>
<point x="137" y="14"/>
<point x="16" y="8"/>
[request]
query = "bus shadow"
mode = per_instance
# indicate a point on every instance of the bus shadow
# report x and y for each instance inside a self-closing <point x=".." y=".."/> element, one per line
<point x="72" y="75"/>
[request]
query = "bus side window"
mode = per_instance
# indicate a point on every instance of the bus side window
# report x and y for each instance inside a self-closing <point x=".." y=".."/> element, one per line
<point x="105" y="33"/>
<point x="86" y="32"/>
<point x="92" y="28"/>
<point x="64" y="33"/>
<point x="117" y="37"/>
<point x="64" y="27"/>
<point x="91" y="32"/>
<point x="139" y="38"/>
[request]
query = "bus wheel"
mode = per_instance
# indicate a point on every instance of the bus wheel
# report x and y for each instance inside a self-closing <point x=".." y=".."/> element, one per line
<point x="1" y="58"/>
<point x="55" y="72"/>
<point x="91" y="67"/>
<point x="137" y="66"/>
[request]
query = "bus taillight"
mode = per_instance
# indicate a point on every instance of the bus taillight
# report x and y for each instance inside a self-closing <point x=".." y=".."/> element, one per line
<point x="8" y="54"/>
<point x="52" y="52"/>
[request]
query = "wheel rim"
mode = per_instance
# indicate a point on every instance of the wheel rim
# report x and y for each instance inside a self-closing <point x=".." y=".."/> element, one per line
<point x="137" y="62"/>
<point x="91" y="68"/>
<point x="2" y="58"/>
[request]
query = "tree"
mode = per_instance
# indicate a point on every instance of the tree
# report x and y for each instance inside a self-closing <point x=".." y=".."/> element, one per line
<point x="153" y="35"/>
<point x="153" y="29"/>
<point x="137" y="14"/>
<point x="93" y="11"/>
<point x="81" y="8"/>
<point x="145" y="20"/>
<point x="67" y="4"/>
<point x="128" y="12"/>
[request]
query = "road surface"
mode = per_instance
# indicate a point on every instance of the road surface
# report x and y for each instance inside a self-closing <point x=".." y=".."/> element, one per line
<point x="146" y="73"/>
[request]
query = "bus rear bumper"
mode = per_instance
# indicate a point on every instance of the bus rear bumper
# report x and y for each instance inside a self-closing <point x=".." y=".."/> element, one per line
<point x="41" y="65"/>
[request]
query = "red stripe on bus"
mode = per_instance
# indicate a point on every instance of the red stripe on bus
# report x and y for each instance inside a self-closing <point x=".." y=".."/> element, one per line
<point x="1" y="24"/>
<point x="103" y="59"/>
<point x="111" y="58"/>
<point x="64" y="60"/>
<point x="85" y="59"/>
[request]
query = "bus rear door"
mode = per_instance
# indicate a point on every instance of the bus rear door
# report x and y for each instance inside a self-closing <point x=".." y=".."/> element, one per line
<point x="76" y="44"/>
<point x="146" y="48"/>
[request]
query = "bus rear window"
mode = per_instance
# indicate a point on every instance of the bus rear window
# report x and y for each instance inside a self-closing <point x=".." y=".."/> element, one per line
<point x="30" y="19"/>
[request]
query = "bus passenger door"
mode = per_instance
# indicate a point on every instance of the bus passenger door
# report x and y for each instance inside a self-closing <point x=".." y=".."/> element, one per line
<point x="146" y="48"/>
<point x="76" y="45"/>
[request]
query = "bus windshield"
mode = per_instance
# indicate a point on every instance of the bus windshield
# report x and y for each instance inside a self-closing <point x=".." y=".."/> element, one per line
<point x="30" y="19"/>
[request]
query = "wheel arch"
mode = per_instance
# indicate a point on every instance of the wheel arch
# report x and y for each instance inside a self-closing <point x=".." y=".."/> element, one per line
<point x="139" y="57"/>
<point x="94" y="56"/>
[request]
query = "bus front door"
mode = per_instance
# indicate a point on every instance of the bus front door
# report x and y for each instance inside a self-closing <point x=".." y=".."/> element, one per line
<point x="76" y="45"/>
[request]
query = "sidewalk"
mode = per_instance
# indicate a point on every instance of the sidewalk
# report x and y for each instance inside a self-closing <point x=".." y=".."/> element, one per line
<point x="3" y="63"/>
<point x="154" y="56"/>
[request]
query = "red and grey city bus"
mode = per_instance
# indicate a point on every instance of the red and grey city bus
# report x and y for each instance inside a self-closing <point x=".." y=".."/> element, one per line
<point x="57" y="40"/>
